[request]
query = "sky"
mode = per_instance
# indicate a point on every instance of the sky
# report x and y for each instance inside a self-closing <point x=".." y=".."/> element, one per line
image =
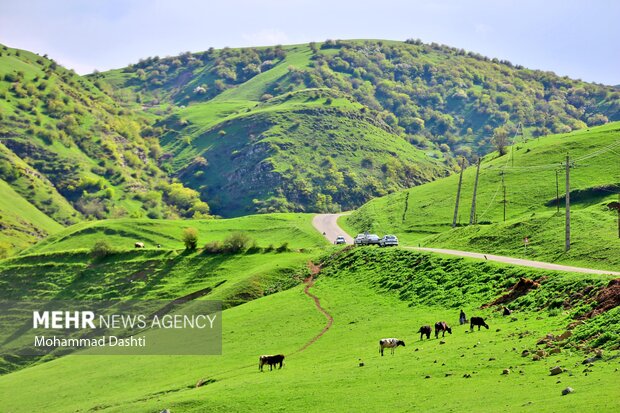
<point x="579" y="39"/>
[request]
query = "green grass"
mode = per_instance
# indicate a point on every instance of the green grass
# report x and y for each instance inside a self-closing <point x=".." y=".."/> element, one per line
<point x="274" y="229"/>
<point x="326" y="376"/>
<point x="21" y="221"/>
<point x="530" y="208"/>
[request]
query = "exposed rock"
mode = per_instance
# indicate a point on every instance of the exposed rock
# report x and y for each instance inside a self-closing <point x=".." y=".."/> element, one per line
<point x="522" y="287"/>
<point x="555" y="350"/>
<point x="541" y="353"/>
<point x="556" y="370"/>
<point x="535" y="357"/>
<point x="506" y="371"/>
<point x="567" y="391"/>
<point x="564" y="335"/>
<point x="525" y="353"/>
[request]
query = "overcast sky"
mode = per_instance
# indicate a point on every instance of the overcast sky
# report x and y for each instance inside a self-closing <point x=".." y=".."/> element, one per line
<point x="580" y="39"/>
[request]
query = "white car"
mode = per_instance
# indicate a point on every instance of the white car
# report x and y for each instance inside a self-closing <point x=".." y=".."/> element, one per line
<point x="360" y="239"/>
<point x="340" y="240"/>
<point x="389" y="241"/>
<point x="373" y="239"/>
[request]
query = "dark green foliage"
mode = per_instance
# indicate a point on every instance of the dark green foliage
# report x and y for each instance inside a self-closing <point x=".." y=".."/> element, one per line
<point x="236" y="242"/>
<point x="101" y="249"/>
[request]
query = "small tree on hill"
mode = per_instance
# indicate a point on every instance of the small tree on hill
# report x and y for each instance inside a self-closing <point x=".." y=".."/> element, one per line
<point x="190" y="238"/>
<point x="500" y="140"/>
<point x="101" y="249"/>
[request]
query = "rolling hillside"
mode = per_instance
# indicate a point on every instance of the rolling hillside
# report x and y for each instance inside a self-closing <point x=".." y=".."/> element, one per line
<point x="71" y="152"/>
<point x="423" y="215"/>
<point x="371" y="293"/>
<point x="253" y="130"/>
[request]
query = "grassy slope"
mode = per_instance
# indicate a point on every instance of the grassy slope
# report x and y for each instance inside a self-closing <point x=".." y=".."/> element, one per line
<point x="296" y="229"/>
<point x="291" y="134"/>
<point x="21" y="221"/>
<point x="530" y="193"/>
<point x="326" y="376"/>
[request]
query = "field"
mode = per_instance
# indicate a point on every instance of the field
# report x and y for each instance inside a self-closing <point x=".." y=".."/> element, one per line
<point x="423" y="215"/>
<point x="327" y="374"/>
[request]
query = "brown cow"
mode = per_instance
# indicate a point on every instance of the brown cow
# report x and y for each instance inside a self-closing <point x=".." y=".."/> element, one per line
<point x="443" y="327"/>
<point x="271" y="360"/>
<point x="425" y="331"/>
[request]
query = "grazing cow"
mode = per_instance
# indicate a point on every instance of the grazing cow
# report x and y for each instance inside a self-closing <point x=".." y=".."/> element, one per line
<point x="390" y="343"/>
<point x="425" y="331"/>
<point x="271" y="360"/>
<point x="462" y="318"/>
<point x="443" y="327"/>
<point x="139" y="245"/>
<point x="477" y="321"/>
<point x="506" y="310"/>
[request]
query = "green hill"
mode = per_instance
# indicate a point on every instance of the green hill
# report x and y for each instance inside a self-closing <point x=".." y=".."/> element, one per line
<point x="371" y="294"/>
<point x="423" y="215"/>
<point x="73" y="152"/>
<point x="250" y="128"/>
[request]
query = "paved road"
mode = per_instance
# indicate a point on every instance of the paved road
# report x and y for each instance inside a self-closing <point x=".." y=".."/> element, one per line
<point x="328" y="223"/>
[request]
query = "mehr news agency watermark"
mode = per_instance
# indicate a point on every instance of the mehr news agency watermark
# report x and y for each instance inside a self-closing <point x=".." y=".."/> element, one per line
<point x="111" y="327"/>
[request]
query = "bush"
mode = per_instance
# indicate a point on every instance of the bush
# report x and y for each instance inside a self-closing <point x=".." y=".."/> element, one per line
<point x="102" y="248"/>
<point x="283" y="248"/>
<point x="236" y="242"/>
<point x="213" y="247"/>
<point x="190" y="238"/>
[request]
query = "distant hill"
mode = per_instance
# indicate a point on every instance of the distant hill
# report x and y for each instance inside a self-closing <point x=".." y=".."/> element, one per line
<point x="249" y="128"/>
<point x="304" y="128"/>
<point x="69" y="152"/>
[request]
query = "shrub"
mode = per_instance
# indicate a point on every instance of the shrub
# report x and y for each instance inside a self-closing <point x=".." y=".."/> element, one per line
<point x="236" y="242"/>
<point x="213" y="247"/>
<point x="190" y="238"/>
<point x="283" y="248"/>
<point x="102" y="248"/>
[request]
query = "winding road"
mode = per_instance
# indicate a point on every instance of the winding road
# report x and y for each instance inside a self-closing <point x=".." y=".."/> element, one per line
<point x="327" y="224"/>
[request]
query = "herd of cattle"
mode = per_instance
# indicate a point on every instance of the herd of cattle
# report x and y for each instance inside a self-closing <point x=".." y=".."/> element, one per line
<point x="391" y="343"/>
<point x="440" y="327"/>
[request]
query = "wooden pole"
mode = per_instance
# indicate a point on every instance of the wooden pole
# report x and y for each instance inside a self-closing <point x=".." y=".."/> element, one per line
<point x="472" y="216"/>
<point x="557" y="191"/>
<point x="567" y="240"/>
<point x="458" y="194"/>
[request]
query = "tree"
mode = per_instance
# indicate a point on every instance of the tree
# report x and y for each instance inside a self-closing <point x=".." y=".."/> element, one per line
<point x="101" y="249"/>
<point x="190" y="238"/>
<point x="500" y="140"/>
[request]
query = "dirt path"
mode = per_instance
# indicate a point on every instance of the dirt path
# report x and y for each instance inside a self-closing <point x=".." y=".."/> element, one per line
<point x="328" y="223"/>
<point x="330" y="320"/>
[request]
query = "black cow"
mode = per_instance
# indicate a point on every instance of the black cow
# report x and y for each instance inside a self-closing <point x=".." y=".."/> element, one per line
<point x="477" y="321"/>
<point x="425" y="331"/>
<point x="271" y="360"/>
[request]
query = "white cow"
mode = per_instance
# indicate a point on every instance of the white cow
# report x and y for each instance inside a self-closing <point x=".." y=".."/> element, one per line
<point x="391" y="343"/>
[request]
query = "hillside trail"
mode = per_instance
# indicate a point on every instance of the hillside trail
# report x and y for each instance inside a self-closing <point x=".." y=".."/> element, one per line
<point x="327" y="224"/>
<point x="314" y="270"/>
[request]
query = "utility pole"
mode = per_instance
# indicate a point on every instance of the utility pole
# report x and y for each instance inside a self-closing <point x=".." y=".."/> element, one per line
<point x="458" y="194"/>
<point x="567" y="241"/>
<point x="557" y="191"/>
<point x="472" y="216"/>
<point x="504" y="189"/>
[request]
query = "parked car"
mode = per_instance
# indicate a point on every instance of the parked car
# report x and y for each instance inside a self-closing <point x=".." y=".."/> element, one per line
<point x="389" y="241"/>
<point x="360" y="239"/>
<point x="373" y="239"/>
<point x="340" y="240"/>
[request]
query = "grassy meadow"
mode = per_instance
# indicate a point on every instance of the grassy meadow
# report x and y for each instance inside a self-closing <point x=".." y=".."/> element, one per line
<point x="327" y="374"/>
